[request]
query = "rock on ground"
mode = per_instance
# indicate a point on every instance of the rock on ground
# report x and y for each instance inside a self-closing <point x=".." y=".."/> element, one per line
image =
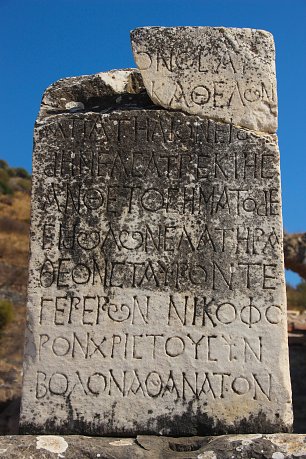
<point x="274" y="446"/>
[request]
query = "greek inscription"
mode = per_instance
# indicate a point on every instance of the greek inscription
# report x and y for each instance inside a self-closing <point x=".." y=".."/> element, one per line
<point x="162" y="239"/>
<point x="204" y="311"/>
<point x="158" y="128"/>
<point x="216" y="93"/>
<point x="211" y="200"/>
<point x="66" y="272"/>
<point x="115" y="165"/>
<point x="198" y="385"/>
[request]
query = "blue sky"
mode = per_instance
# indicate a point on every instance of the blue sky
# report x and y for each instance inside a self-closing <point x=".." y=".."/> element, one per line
<point x="44" y="40"/>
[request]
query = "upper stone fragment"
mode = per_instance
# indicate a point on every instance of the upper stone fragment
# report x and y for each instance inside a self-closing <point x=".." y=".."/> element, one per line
<point x="227" y="74"/>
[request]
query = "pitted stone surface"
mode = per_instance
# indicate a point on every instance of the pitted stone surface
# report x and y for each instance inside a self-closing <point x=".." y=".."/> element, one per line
<point x="222" y="73"/>
<point x="277" y="446"/>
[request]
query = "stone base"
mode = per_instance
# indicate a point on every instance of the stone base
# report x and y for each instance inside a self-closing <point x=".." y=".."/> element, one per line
<point x="270" y="446"/>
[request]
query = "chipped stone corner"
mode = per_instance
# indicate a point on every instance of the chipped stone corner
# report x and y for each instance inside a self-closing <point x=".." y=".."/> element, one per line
<point x="226" y="74"/>
<point x="96" y="92"/>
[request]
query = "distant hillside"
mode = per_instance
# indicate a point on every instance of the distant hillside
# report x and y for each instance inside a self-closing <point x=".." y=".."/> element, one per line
<point x="13" y="179"/>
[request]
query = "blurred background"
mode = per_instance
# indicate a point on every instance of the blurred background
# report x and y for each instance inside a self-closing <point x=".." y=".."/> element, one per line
<point x="45" y="40"/>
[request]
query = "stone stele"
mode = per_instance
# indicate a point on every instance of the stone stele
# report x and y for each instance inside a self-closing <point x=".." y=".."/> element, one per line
<point x="156" y="294"/>
<point x="223" y="73"/>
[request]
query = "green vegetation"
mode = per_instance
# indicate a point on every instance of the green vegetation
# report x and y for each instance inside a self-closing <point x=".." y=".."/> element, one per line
<point x="13" y="179"/>
<point x="6" y="313"/>
<point x="296" y="296"/>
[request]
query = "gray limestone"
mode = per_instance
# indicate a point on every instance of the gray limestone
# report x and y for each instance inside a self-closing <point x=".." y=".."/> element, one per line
<point x="221" y="73"/>
<point x="156" y="294"/>
<point x="273" y="446"/>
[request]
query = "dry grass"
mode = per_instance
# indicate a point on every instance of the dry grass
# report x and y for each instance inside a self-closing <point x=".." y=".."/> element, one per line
<point x="14" y="230"/>
<point x="16" y="207"/>
<point x="14" y="249"/>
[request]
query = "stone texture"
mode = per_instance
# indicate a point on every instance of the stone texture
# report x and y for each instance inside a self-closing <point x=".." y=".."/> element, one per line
<point x="222" y="73"/>
<point x="156" y="295"/>
<point x="277" y="446"/>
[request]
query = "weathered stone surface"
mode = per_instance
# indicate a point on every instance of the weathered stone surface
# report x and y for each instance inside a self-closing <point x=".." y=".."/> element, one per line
<point x="156" y="296"/>
<point x="275" y="446"/>
<point x="222" y="73"/>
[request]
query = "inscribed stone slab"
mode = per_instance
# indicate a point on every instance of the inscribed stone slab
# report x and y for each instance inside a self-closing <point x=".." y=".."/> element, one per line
<point x="226" y="74"/>
<point x="156" y="293"/>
